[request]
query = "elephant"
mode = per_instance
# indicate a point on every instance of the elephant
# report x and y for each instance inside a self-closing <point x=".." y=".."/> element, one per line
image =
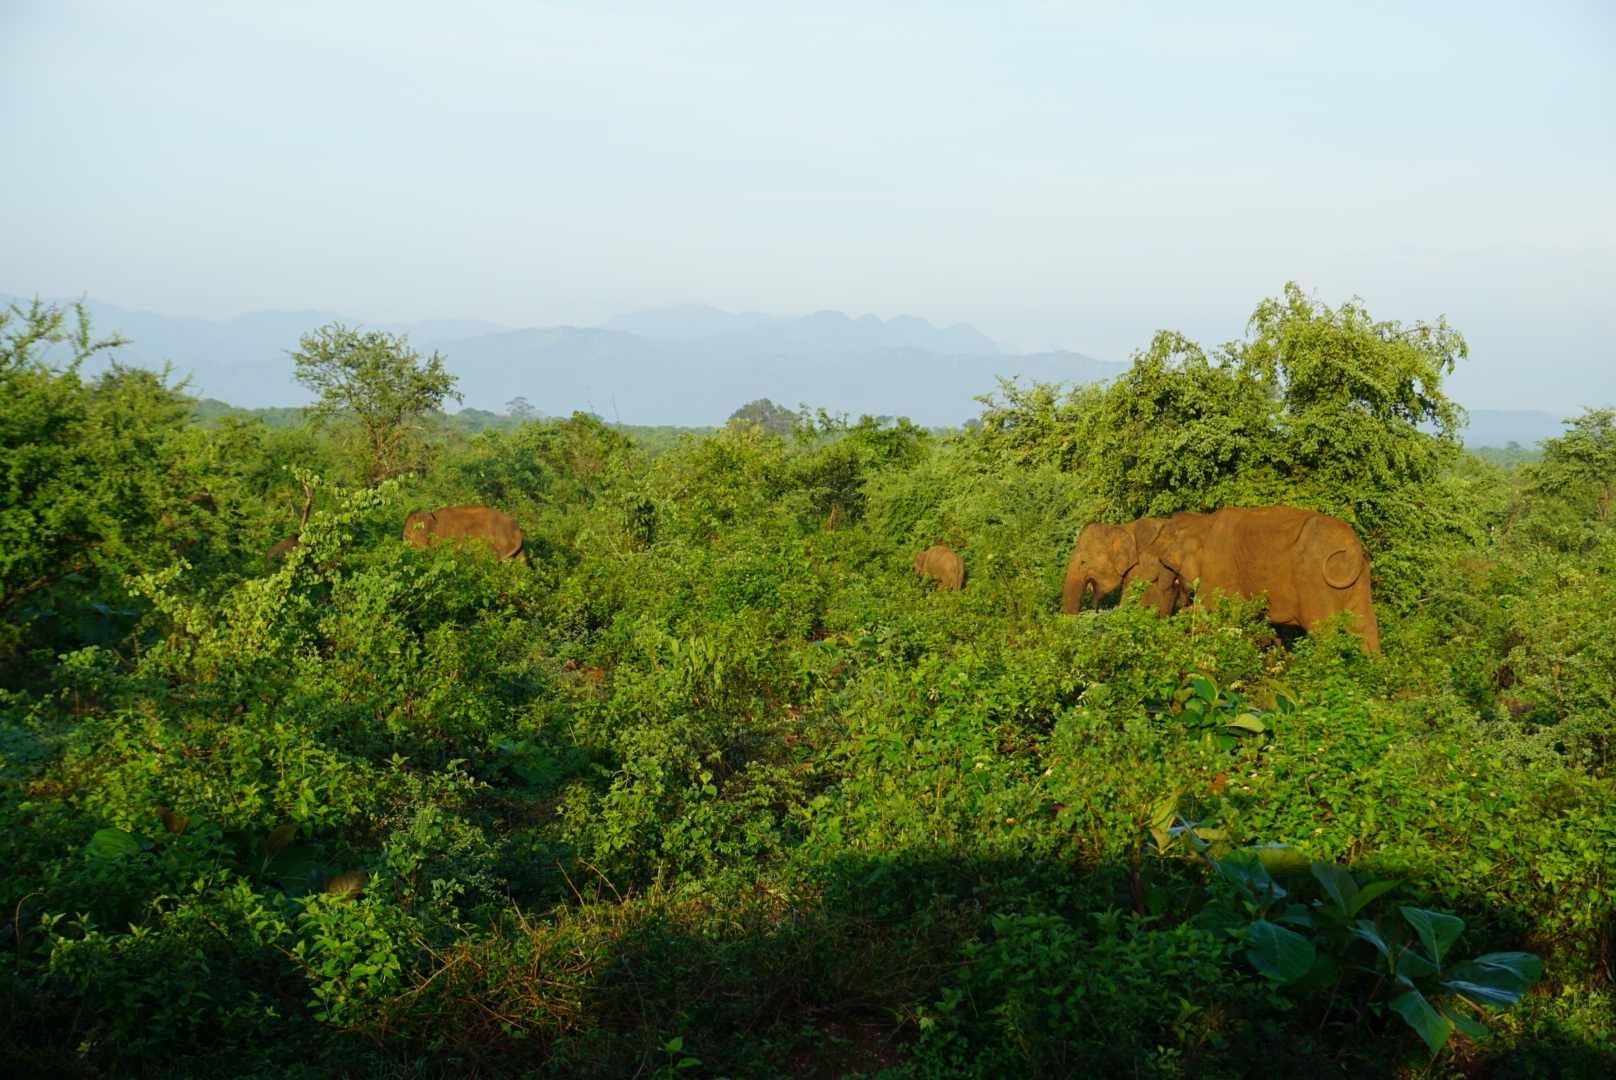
<point x="462" y="523"/>
<point x="943" y="563"/>
<point x="1110" y="555"/>
<point x="1310" y="565"/>
<point x="283" y="547"/>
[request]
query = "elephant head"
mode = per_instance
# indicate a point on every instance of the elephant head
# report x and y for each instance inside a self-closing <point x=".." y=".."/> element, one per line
<point x="1178" y="546"/>
<point x="418" y="527"/>
<point x="1102" y="558"/>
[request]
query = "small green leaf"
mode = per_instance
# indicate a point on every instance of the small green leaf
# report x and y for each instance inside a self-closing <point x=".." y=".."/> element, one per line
<point x="1437" y="931"/>
<point x="1431" y="1025"/>
<point x="1277" y="952"/>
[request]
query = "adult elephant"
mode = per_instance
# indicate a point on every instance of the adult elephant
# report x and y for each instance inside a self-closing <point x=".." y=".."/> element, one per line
<point x="462" y="523"/>
<point x="1311" y="565"/>
<point x="943" y="563"/>
<point x="1110" y="555"/>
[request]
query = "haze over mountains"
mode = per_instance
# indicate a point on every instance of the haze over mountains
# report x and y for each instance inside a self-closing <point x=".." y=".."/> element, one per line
<point x="688" y="365"/>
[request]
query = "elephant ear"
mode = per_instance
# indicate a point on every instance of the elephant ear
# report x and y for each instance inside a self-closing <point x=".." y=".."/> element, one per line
<point x="1146" y="530"/>
<point x="1126" y="549"/>
<point x="1342" y="568"/>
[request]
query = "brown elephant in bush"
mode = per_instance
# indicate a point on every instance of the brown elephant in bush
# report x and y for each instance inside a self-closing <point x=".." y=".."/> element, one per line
<point x="943" y="563"/>
<point x="1310" y="565"/>
<point x="1110" y="555"/>
<point x="462" y="523"/>
<point x="279" y="550"/>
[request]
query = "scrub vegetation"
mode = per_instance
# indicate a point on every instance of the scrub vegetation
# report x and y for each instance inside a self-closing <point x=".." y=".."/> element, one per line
<point x="710" y="786"/>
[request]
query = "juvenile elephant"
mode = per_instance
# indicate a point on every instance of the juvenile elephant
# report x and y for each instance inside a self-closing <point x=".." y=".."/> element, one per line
<point x="1110" y="555"/>
<point x="280" y="549"/>
<point x="462" y="523"/>
<point x="1310" y="565"/>
<point x="943" y="563"/>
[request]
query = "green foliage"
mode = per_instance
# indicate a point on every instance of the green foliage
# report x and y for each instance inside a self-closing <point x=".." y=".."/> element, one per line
<point x="1220" y="719"/>
<point x="92" y="484"/>
<point x="709" y="786"/>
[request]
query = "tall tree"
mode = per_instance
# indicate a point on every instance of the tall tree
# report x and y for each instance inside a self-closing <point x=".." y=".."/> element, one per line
<point x="381" y="393"/>
<point x="1579" y="467"/>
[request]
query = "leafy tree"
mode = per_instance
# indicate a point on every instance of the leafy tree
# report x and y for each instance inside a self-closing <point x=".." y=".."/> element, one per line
<point x="767" y="415"/>
<point x="518" y="408"/>
<point x="386" y="392"/>
<point x="1579" y="467"/>
<point x="1317" y="406"/>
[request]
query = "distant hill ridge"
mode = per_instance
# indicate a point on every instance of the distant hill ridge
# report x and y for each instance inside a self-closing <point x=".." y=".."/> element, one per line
<point x="688" y="364"/>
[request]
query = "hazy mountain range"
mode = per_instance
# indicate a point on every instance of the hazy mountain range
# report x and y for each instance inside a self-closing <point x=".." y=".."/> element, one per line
<point x="689" y="364"/>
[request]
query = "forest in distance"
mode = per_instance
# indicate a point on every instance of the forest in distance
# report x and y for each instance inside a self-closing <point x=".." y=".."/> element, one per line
<point x="707" y="783"/>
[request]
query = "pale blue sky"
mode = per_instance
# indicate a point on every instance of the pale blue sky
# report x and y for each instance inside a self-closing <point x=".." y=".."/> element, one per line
<point x="1078" y="174"/>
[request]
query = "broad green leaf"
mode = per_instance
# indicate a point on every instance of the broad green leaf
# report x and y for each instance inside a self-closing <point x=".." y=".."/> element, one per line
<point x="1205" y="688"/>
<point x="279" y="837"/>
<point x="1244" y="870"/>
<point x="1437" y="931"/>
<point x="1218" y="921"/>
<point x="293" y="864"/>
<point x="1324" y="972"/>
<point x="1162" y="811"/>
<point x="1282" y="859"/>
<point x="1470" y="1029"/>
<point x="1431" y="1025"/>
<point x="1247" y="722"/>
<point x="1368" y="893"/>
<point x="111" y="844"/>
<point x="346" y="884"/>
<point x="1365" y="930"/>
<point x="1495" y="979"/>
<point x="1414" y="964"/>
<point x="1337" y="882"/>
<point x="1298" y="915"/>
<point x="1277" y="952"/>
